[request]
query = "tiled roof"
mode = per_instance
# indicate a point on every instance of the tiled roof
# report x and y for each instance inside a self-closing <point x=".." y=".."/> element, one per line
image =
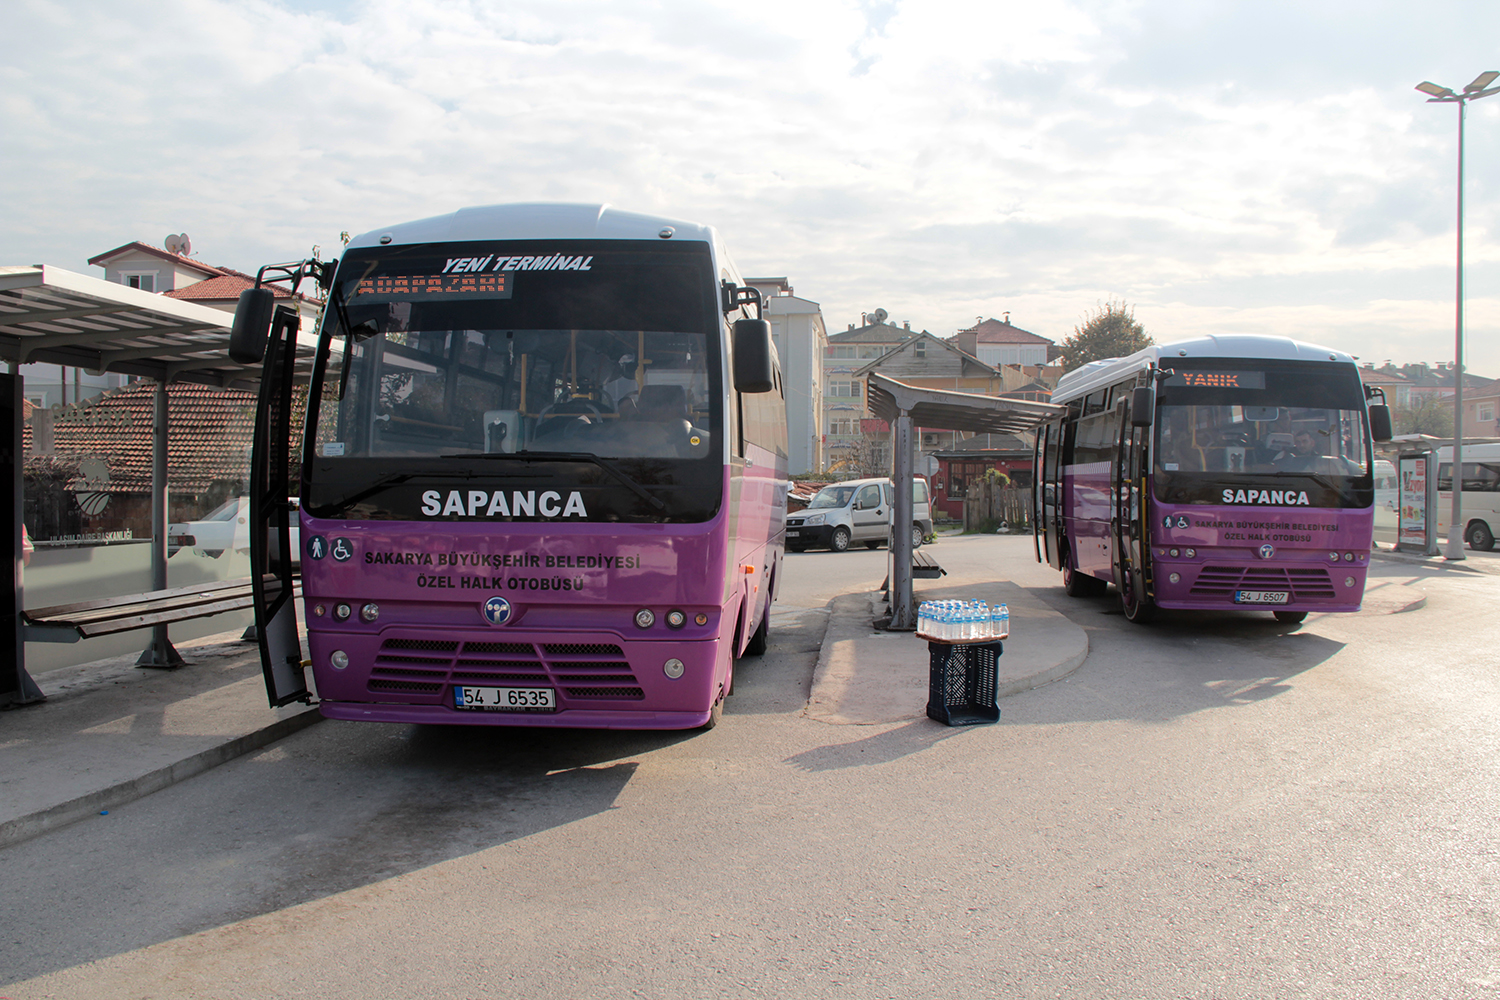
<point x="993" y="331"/>
<point x="226" y="287"/>
<point x="208" y="435"/>
<point x="136" y="246"/>
<point x="873" y="333"/>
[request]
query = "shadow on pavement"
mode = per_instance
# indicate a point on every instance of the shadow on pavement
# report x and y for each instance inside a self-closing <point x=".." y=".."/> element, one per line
<point x="879" y="748"/>
<point x="333" y="808"/>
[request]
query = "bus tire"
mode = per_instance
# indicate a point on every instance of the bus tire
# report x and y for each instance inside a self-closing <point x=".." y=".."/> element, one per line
<point x="761" y="637"/>
<point x="714" y="715"/>
<point x="1076" y="584"/>
<point x="840" y="540"/>
<point x="872" y="545"/>
<point x="1480" y="537"/>
<point x="1290" y="617"/>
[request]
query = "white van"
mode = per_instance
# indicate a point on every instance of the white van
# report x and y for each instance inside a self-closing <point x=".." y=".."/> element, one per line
<point x="856" y="511"/>
<point x="1480" y="498"/>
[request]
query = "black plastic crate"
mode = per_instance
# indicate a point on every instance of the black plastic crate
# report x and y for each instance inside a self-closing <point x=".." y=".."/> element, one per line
<point x="961" y="688"/>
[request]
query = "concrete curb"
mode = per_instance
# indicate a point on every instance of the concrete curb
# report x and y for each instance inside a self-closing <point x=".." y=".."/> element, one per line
<point x="25" y="827"/>
<point x="865" y="677"/>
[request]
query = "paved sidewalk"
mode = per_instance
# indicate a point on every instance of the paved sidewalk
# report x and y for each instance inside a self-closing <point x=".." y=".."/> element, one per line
<point x="110" y="733"/>
<point x="866" y="677"/>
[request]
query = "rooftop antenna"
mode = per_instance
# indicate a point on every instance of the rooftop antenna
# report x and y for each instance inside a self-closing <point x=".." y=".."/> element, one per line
<point x="179" y="244"/>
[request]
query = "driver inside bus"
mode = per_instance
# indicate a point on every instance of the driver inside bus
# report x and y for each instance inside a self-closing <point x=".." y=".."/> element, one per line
<point x="1303" y="456"/>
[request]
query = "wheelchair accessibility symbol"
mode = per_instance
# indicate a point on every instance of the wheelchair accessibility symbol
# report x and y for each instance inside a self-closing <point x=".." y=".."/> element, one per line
<point x="343" y="550"/>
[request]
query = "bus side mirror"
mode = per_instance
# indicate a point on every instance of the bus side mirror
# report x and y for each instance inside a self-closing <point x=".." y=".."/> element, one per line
<point x="753" y="367"/>
<point x="1380" y="422"/>
<point x="1142" y="406"/>
<point x="252" y="324"/>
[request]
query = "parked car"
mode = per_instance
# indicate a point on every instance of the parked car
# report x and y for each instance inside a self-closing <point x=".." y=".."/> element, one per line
<point x="859" y="510"/>
<point x="225" y="529"/>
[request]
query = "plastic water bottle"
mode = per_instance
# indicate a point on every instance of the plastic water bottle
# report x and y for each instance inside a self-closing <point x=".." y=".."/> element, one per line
<point x="1000" y="622"/>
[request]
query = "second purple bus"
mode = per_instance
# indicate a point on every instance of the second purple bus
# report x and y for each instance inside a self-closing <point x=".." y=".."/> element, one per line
<point x="1221" y="472"/>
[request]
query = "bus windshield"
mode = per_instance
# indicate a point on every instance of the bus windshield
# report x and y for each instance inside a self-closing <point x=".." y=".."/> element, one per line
<point x="1284" y="425"/>
<point x="446" y="357"/>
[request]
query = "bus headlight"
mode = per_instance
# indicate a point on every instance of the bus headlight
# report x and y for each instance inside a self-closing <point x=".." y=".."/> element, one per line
<point x="1348" y="557"/>
<point x="1190" y="552"/>
<point x="673" y="668"/>
<point x="1174" y="553"/>
<point x="676" y="619"/>
<point x="1348" y="581"/>
<point x="1175" y="577"/>
<point x="338" y="659"/>
<point x="645" y="618"/>
<point x="369" y="612"/>
<point x="342" y="611"/>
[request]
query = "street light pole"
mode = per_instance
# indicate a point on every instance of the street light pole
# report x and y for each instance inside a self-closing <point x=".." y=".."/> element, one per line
<point x="1437" y="94"/>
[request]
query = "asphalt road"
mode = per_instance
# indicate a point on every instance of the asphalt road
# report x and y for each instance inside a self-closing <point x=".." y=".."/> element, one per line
<point x="1209" y="807"/>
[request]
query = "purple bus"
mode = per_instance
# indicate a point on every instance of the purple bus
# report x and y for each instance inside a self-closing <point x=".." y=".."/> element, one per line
<point x="542" y="477"/>
<point x="1221" y="472"/>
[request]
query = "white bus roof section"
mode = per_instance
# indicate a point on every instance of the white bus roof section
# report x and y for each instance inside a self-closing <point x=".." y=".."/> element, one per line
<point x="959" y="411"/>
<point x="535" y="221"/>
<point x="1098" y="374"/>
<point x="59" y="317"/>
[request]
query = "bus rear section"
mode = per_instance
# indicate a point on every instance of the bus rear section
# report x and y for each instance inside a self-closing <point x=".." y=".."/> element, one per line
<point x="543" y="477"/>
<point x="1248" y="485"/>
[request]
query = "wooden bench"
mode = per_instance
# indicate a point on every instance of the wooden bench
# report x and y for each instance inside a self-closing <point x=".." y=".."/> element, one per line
<point x="109" y="615"/>
<point x="923" y="567"/>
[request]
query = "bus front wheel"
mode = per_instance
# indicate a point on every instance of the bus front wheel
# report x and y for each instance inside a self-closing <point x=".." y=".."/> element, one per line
<point x="1290" y="617"/>
<point x="1480" y="537"/>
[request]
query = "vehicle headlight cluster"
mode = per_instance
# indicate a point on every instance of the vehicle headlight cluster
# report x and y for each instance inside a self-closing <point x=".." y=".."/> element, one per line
<point x="814" y="519"/>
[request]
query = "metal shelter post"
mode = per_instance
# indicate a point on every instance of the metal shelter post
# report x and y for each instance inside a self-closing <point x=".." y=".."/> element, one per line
<point x="16" y="686"/>
<point x="160" y="654"/>
<point x="903" y="604"/>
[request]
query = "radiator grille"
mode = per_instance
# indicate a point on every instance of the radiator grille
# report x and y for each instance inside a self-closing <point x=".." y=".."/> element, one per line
<point x="1302" y="583"/>
<point x="578" y="670"/>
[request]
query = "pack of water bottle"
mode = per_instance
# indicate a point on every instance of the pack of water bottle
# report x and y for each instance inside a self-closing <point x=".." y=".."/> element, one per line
<point x="962" y="621"/>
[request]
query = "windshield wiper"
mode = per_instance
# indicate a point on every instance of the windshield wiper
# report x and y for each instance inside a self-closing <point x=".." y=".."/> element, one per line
<point x="566" y="456"/>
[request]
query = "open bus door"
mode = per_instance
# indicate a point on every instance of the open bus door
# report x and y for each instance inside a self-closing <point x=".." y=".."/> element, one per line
<point x="1132" y="541"/>
<point x="270" y="510"/>
<point x="1047" y="494"/>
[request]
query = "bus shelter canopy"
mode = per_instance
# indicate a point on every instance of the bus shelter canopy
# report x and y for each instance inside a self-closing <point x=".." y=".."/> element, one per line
<point x="907" y="406"/>
<point x="957" y="411"/>
<point x="55" y="316"/>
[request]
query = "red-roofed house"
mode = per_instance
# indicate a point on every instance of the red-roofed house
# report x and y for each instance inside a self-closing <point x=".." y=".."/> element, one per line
<point x="996" y="343"/>
<point x="151" y="269"/>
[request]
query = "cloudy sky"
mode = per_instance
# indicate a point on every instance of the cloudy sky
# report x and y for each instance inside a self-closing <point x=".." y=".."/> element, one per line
<point x="1221" y="166"/>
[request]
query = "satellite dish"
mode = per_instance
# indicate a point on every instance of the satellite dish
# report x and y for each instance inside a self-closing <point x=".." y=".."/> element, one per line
<point x="179" y="244"/>
<point x="881" y="315"/>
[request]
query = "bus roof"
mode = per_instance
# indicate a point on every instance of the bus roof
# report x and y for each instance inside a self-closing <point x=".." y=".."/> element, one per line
<point x="1097" y="374"/>
<point x="534" y="221"/>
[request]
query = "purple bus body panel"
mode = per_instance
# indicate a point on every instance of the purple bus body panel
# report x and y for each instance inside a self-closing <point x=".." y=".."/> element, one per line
<point x="1229" y="543"/>
<point x="573" y="591"/>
